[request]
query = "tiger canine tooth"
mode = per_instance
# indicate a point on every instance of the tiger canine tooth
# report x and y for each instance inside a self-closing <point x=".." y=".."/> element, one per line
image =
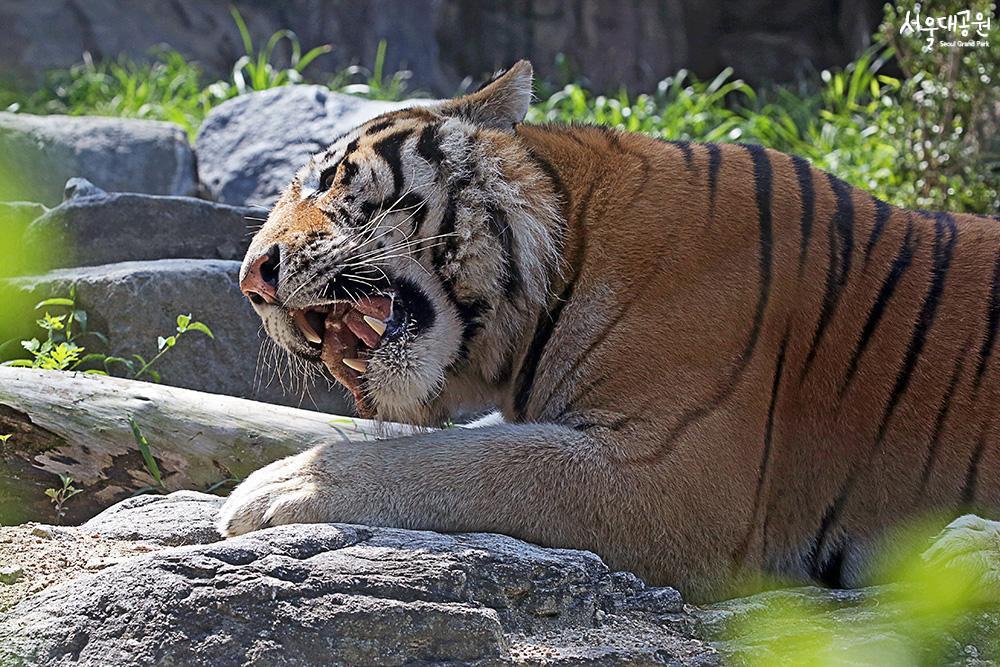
<point x="376" y="324"/>
<point x="299" y="316"/>
<point x="360" y="365"/>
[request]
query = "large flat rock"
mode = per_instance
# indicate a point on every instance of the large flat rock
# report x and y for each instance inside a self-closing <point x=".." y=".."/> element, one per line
<point x="250" y="147"/>
<point x="107" y="228"/>
<point x="116" y="154"/>
<point x="134" y="302"/>
<point x="337" y="594"/>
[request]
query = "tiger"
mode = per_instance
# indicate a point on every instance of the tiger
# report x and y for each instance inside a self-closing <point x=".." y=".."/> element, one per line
<point x="711" y="363"/>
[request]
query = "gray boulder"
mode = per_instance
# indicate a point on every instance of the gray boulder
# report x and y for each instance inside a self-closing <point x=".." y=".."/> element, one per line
<point x="183" y="517"/>
<point x="134" y="302"/>
<point x="342" y="594"/>
<point x="250" y="147"/>
<point x="124" y="155"/>
<point x="101" y="228"/>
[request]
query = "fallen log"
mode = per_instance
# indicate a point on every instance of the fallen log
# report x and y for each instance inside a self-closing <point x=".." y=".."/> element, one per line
<point x="78" y="425"/>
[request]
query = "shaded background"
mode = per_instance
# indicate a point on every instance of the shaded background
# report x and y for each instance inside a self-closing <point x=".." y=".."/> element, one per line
<point x="607" y="43"/>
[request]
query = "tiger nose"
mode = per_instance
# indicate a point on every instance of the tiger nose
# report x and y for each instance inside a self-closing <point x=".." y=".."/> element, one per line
<point x="260" y="284"/>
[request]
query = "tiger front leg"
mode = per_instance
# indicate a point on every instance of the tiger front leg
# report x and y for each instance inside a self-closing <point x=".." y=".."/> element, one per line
<point x="511" y="479"/>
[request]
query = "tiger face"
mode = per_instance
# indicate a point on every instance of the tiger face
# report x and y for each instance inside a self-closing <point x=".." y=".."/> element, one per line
<point x="405" y="257"/>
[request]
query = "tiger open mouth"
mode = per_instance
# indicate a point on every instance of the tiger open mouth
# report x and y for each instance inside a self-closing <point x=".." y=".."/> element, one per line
<point x="344" y="335"/>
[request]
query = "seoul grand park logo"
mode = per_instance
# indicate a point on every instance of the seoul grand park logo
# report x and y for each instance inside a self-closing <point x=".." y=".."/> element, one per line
<point x="961" y="29"/>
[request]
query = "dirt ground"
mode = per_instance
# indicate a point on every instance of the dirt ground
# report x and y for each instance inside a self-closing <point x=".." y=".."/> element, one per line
<point x="35" y="556"/>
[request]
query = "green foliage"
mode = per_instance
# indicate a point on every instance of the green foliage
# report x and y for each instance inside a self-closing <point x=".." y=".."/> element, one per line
<point x="902" y="140"/>
<point x="255" y="71"/>
<point x="61" y="495"/>
<point x="63" y="349"/>
<point x="948" y="117"/>
<point x="5" y="437"/>
<point x="168" y="87"/>
<point x="905" y="623"/>
<point x="375" y="83"/>
<point x="147" y="459"/>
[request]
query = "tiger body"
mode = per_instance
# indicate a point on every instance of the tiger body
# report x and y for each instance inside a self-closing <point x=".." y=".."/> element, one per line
<point x="713" y="361"/>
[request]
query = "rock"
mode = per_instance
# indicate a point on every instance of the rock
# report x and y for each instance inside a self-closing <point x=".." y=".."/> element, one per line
<point x="93" y="228"/>
<point x="116" y="154"/>
<point x="443" y="41"/>
<point x="250" y="147"/>
<point x="135" y="302"/>
<point x="183" y="517"/>
<point x="332" y="593"/>
<point x="78" y="187"/>
<point x="10" y="574"/>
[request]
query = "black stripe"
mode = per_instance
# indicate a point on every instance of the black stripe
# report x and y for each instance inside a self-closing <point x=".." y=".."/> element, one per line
<point x="882" y="213"/>
<point x="714" y="163"/>
<point x="428" y="147"/>
<point x="470" y="311"/>
<point x="969" y="487"/>
<point x="942" y="416"/>
<point x="827" y="568"/>
<point x="389" y="149"/>
<point x="375" y="128"/>
<point x="807" y="194"/>
<point x="499" y="224"/>
<point x="841" y="238"/>
<point x="414" y="207"/>
<point x="763" y="193"/>
<point x="685" y="148"/>
<point x="944" y="243"/>
<point x="543" y="332"/>
<point x="349" y="172"/>
<point x="992" y="319"/>
<point x="899" y="266"/>
<point x="768" y="439"/>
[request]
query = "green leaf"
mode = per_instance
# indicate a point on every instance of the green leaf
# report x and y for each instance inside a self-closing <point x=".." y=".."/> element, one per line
<point x="51" y="493"/>
<point x="203" y="328"/>
<point x="19" y="363"/>
<point x="55" y="301"/>
<point x="147" y="454"/>
<point x="183" y="321"/>
<point x="80" y="316"/>
<point x="162" y="342"/>
<point x="5" y="437"/>
<point x="153" y="375"/>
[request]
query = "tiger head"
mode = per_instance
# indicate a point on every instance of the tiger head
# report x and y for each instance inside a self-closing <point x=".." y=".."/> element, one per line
<point x="411" y="256"/>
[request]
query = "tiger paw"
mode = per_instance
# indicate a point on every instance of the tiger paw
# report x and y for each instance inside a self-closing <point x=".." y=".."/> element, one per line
<point x="286" y="491"/>
<point x="970" y="547"/>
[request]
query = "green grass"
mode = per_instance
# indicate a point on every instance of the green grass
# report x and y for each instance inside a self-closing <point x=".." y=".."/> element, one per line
<point x="924" y="141"/>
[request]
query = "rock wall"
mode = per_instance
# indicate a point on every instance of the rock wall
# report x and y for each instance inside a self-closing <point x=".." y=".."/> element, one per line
<point x="611" y="42"/>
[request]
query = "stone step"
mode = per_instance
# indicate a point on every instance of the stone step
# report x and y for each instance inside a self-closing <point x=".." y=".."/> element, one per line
<point x="104" y="228"/>
<point x="39" y="153"/>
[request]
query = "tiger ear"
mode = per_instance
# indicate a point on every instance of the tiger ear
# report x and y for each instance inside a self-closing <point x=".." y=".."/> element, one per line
<point x="500" y="104"/>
